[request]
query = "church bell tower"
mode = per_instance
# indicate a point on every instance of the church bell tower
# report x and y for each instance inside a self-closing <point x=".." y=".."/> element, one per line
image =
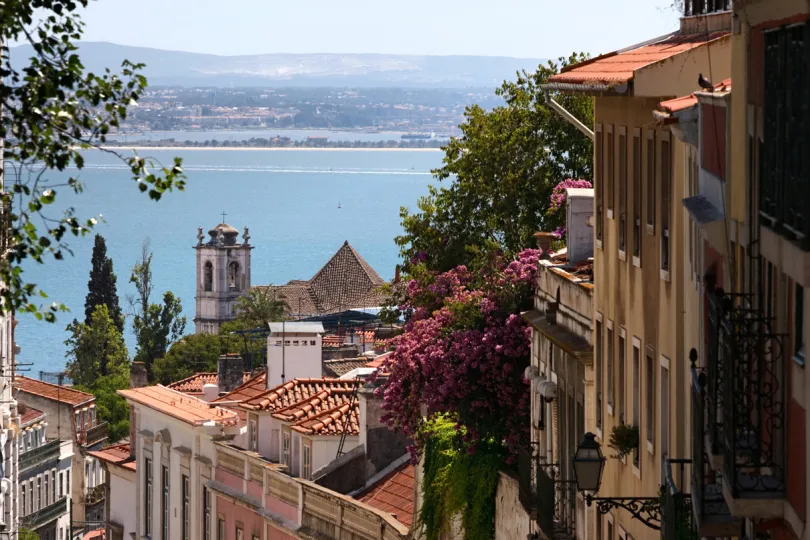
<point x="223" y="275"/>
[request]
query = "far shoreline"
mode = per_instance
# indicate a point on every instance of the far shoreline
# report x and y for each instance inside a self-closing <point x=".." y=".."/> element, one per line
<point x="269" y="148"/>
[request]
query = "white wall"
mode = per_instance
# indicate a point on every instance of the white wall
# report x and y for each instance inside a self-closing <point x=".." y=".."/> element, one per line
<point x="269" y="437"/>
<point x="299" y="361"/>
<point x="324" y="449"/>
<point x="122" y="498"/>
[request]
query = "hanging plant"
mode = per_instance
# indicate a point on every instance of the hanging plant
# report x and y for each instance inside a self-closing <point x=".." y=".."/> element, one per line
<point x="623" y="439"/>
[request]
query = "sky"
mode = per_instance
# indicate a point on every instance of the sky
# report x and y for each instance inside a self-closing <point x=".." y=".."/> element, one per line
<point x="519" y="28"/>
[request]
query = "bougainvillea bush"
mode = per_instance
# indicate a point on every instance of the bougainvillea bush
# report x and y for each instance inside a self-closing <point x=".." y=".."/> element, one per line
<point x="463" y="352"/>
<point x="557" y="201"/>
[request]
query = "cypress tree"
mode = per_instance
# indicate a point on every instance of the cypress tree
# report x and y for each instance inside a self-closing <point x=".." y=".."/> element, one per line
<point x="102" y="289"/>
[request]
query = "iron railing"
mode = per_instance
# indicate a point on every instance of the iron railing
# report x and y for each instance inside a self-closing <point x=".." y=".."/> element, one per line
<point x="93" y="435"/>
<point x="676" y="518"/>
<point x="35" y="456"/>
<point x="753" y="435"/>
<point x="715" y="363"/>
<point x="549" y="499"/>
<point x="43" y="516"/>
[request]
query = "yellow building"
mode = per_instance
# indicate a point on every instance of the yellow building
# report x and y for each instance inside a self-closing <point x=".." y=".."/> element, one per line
<point x="642" y="269"/>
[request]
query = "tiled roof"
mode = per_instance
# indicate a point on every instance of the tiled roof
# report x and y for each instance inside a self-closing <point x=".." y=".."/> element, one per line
<point x="341" y="366"/>
<point x="619" y="67"/>
<point x="30" y="415"/>
<point x="394" y="494"/>
<point x="294" y="392"/>
<point x="346" y="281"/>
<point x="325" y="400"/>
<point x="63" y="394"/>
<point x="686" y="102"/>
<point x="252" y="387"/>
<point x="179" y="405"/>
<point x="377" y="362"/>
<point x="343" y="418"/>
<point x="97" y="534"/>
<point x="116" y="454"/>
<point x="332" y="341"/>
<point x="195" y="383"/>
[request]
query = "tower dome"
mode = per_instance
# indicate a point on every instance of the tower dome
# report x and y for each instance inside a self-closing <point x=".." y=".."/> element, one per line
<point x="229" y="233"/>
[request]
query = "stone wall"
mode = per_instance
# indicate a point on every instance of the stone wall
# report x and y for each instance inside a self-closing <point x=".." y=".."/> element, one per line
<point x="512" y="522"/>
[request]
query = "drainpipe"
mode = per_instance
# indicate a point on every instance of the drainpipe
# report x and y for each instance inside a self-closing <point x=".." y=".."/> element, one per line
<point x="568" y="116"/>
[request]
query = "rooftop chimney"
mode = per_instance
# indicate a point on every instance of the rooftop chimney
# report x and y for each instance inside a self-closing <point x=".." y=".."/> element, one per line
<point x="137" y="375"/>
<point x="579" y="235"/>
<point x="383" y="446"/>
<point x="230" y="372"/>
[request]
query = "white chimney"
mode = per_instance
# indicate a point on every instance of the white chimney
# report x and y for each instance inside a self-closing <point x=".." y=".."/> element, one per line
<point x="210" y="392"/>
<point x="579" y="210"/>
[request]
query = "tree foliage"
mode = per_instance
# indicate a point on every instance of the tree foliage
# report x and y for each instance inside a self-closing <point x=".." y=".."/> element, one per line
<point x="500" y="175"/>
<point x="260" y="306"/>
<point x="156" y="326"/>
<point x="463" y="352"/>
<point x="52" y="112"/>
<point x="96" y="349"/>
<point x="112" y="408"/>
<point x="191" y="354"/>
<point x="102" y="286"/>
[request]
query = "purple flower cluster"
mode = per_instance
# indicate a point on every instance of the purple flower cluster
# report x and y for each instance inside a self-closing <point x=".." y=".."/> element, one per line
<point x="557" y="199"/>
<point x="463" y="352"/>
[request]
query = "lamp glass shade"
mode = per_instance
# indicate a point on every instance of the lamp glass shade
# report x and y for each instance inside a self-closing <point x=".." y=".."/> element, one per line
<point x="589" y="464"/>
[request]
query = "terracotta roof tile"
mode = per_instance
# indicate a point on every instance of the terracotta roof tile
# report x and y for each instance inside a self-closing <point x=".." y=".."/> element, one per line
<point x="294" y="392"/>
<point x="179" y="405"/>
<point x="30" y="415"/>
<point x="346" y="281"/>
<point x="252" y="387"/>
<point x="325" y="400"/>
<point x="64" y="394"/>
<point x="195" y="383"/>
<point x="686" y="102"/>
<point x="394" y="494"/>
<point x="620" y="67"/>
<point x="342" y="366"/>
<point x="336" y="421"/>
<point x="116" y="454"/>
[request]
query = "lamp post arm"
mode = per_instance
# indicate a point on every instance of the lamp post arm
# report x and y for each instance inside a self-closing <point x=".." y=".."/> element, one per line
<point x="645" y="509"/>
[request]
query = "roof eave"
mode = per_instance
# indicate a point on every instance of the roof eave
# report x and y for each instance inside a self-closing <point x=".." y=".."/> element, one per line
<point x="594" y="89"/>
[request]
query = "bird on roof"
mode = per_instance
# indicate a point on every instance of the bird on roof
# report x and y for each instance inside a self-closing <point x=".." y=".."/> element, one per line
<point x="705" y="83"/>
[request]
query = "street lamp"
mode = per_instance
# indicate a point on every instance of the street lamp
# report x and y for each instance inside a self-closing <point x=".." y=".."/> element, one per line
<point x="588" y="465"/>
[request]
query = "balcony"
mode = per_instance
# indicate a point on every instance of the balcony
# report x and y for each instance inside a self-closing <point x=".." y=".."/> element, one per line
<point x="549" y="499"/>
<point x="752" y="440"/>
<point x="711" y="513"/>
<point x="47" y="452"/>
<point x="94" y="435"/>
<point x="46" y="515"/>
<point x="676" y="515"/>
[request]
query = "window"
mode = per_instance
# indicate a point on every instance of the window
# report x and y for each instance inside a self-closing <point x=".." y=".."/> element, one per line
<point x="61" y="485"/>
<point x="622" y="188"/>
<point x="610" y="374"/>
<point x="186" y="508"/>
<point x="611" y="172"/>
<point x="67" y="483"/>
<point x="307" y="461"/>
<point x="312" y="342"/>
<point x="664" y="409"/>
<point x="45" y="498"/>
<point x="234" y="277"/>
<point x="285" y="449"/>
<point x="39" y="493"/>
<point x="620" y="391"/>
<point x="650" y="395"/>
<point x="239" y="533"/>
<point x="610" y="530"/>
<point x="636" y="391"/>
<point x="22" y="499"/>
<point x="798" y="323"/>
<point x="220" y="528"/>
<point x="164" y="501"/>
<point x="598" y="374"/>
<point x="148" y="498"/>
<point x="636" y="219"/>
<point x="253" y="435"/>
<point x="32" y="504"/>
<point x="208" y="276"/>
<point x="295" y="343"/>
<point x="665" y="203"/>
<point x="206" y="514"/>
<point x="599" y="177"/>
<point x="53" y="485"/>
<point x="649" y="182"/>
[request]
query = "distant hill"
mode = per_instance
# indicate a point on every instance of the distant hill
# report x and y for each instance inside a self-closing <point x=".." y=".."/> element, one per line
<point x="177" y="68"/>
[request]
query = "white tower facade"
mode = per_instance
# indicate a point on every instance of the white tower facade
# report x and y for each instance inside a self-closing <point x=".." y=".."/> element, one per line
<point x="223" y="275"/>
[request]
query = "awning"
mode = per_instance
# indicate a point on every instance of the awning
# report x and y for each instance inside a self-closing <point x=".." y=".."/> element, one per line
<point x="572" y="344"/>
<point x="710" y="219"/>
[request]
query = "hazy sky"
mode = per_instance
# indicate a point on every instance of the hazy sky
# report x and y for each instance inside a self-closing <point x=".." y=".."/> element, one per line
<point x="523" y="28"/>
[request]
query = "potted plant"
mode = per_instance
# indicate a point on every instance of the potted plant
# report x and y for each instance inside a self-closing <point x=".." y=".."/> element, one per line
<point x="623" y="439"/>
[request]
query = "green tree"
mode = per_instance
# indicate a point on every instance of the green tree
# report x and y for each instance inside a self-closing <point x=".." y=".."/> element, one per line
<point x="260" y="306"/>
<point x="102" y="286"/>
<point x="53" y="111"/>
<point x="112" y="408"/>
<point x="96" y="349"/>
<point x="156" y="329"/>
<point x="500" y="175"/>
<point x="191" y="354"/>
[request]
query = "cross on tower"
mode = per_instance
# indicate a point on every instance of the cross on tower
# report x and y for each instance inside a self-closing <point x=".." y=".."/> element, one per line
<point x="223" y="216"/>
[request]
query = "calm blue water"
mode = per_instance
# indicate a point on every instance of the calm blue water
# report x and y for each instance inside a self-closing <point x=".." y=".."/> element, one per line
<point x="289" y="199"/>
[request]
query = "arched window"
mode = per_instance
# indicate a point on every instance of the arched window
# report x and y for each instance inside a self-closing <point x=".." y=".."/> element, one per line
<point x="208" y="276"/>
<point x="233" y="276"/>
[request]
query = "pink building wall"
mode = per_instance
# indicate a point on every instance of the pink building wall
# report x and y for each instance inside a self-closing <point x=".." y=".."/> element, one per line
<point x="286" y="510"/>
<point x="230" y="479"/>
<point x="275" y="534"/>
<point x="250" y="522"/>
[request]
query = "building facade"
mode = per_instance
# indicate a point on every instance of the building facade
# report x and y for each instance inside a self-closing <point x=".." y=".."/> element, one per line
<point x="223" y="275"/>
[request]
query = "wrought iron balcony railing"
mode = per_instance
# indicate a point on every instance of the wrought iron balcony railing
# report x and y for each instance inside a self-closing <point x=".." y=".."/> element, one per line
<point x="711" y="513"/>
<point x="753" y="408"/>
<point x="95" y="494"/>
<point x="93" y="435"/>
<point x="549" y="498"/>
<point x="676" y="518"/>
<point x="41" y="454"/>
<point x="43" y="516"/>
